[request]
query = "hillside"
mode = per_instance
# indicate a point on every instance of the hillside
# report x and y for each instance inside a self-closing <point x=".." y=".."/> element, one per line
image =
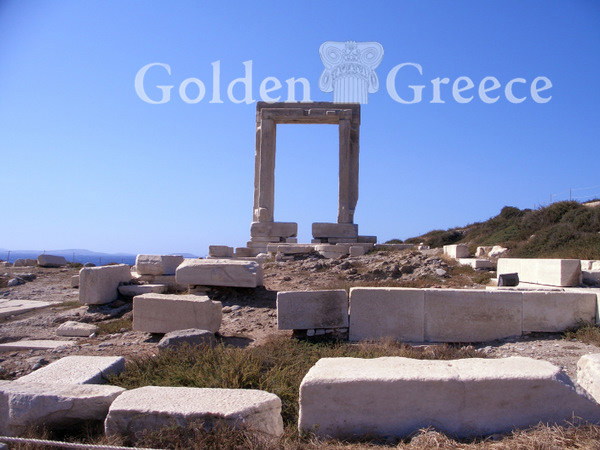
<point x="561" y="230"/>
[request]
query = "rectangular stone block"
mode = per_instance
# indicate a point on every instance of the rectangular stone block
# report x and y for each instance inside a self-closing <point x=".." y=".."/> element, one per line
<point x="457" y="251"/>
<point x="71" y="328"/>
<point x="27" y="404"/>
<point x="290" y="249"/>
<point x="245" y="252"/>
<point x="161" y="313"/>
<point x="334" y="230"/>
<point x="461" y="315"/>
<point x="303" y="310"/>
<point x="386" y="397"/>
<point x="77" y="370"/>
<point x="157" y="264"/>
<point x="75" y="281"/>
<point x="220" y="272"/>
<point x="279" y="229"/>
<point x="51" y="261"/>
<point x="220" y="251"/>
<point x="33" y="344"/>
<point x="556" y="311"/>
<point x="396" y="313"/>
<point x="552" y="272"/>
<point x="342" y="240"/>
<point x="152" y="407"/>
<point x="98" y="285"/>
<point x="15" y="307"/>
<point x="131" y="290"/>
<point x="476" y="263"/>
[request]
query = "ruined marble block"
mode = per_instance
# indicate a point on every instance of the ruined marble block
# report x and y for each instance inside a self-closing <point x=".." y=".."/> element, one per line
<point x="553" y="272"/>
<point x="157" y="264"/>
<point x="77" y="369"/>
<point x="152" y="407"/>
<point x="98" y="285"/>
<point x="393" y="396"/>
<point x="161" y="313"/>
<point x="303" y="310"/>
<point x="279" y="229"/>
<point x="334" y="230"/>
<point x="220" y="272"/>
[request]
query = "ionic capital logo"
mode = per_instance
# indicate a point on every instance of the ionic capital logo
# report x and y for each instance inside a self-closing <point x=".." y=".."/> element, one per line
<point x="350" y="70"/>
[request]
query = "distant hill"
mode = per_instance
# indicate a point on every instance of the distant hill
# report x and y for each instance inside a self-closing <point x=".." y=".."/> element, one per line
<point x="561" y="230"/>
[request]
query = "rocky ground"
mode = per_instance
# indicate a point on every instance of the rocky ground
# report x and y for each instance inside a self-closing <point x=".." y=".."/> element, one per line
<point x="249" y="314"/>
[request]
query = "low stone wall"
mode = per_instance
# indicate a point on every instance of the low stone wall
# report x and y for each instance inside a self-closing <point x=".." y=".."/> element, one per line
<point x="463" y="315"/>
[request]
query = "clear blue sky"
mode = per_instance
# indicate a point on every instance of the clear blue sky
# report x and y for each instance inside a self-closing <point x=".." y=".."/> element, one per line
<point x="85" y="163"/>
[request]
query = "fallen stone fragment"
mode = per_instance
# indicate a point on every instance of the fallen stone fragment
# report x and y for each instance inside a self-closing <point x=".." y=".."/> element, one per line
<point x="25" y="404"/>
<point x="76" y="329"/>
<point x="394" y="397"/>
<point x="51" y="261"/>
<point x="131" y="290"/>
<point x="15" y="282"/>
<point x="77" y="370"/>
<point x="157" y="264"/>
<point x="33" y="345"/>
<point x="99" y="285"/>
<point x="75" y="281"/>
<point x="193" y="336"/>
<point x="161" y="313"/>
<point x="152" y="408"/>
<point x="220" y="272"/>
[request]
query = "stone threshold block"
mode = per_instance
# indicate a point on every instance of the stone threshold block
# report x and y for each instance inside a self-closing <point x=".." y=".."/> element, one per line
<point x="99" y="285"/>
<point x="274" y="229"/>
<point x="25" y="404"/>
<point x="152" y="408"/>
<point x="378" y="313"/>
<point x="551" y="312"/>
<point x="392" y="396"/>
<point x="222" y="251"/>
<point x="77" y="370"/>
<point x="476" y="263"/>
<point x="457" y="251"/>
<point x="303" y="310"/>
<point x="161" y="313"/>
<point x="220" y="272"/>
<point x="334" y="230"/>
<point x="157" y="264"/>
<point x="131" y="290"/>
<point x="16" y="307"/>
<point x="553" y="272"/>
<point x="34" y="345"/>
<point x="51" y="261"/>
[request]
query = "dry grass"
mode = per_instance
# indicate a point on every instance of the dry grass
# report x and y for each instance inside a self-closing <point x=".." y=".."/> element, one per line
<point x="115" y="326"/>
<point x="278" y="366"/>
<point x="586" y="333"/>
